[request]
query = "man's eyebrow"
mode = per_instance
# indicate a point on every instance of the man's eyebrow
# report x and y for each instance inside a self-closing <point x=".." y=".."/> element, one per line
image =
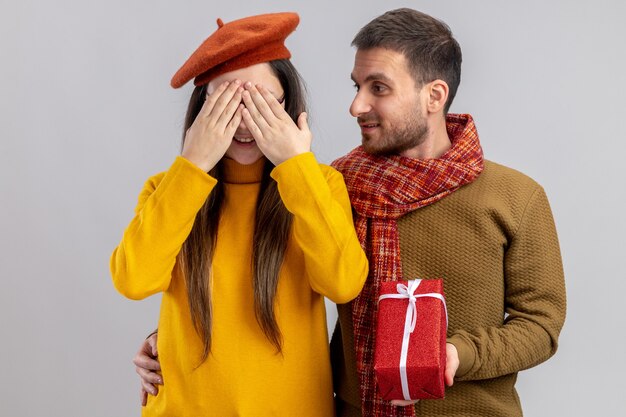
<point x="377" y="76"/>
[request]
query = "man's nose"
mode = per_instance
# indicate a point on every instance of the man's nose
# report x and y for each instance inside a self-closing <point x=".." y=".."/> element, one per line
<point x="359" y="105"/>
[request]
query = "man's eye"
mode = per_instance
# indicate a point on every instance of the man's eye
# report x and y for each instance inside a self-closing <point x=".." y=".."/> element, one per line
<point x="377" y="88"/>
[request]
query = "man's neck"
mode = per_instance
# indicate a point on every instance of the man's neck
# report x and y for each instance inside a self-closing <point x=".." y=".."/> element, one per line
<point x="436" y="143"/>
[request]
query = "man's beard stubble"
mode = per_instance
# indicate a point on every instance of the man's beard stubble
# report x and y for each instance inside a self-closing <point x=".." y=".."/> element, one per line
<point x="395" y="140"/>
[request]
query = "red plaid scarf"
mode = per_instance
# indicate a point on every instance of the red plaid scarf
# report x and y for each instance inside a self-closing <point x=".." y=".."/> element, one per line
<point x="381" y="190"/>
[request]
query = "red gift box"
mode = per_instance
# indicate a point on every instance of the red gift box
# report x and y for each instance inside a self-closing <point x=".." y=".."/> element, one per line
<point x="411" y="331"/>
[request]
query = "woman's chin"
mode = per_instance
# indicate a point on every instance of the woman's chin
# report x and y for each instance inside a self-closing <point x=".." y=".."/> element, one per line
<point x="244" y="153"/>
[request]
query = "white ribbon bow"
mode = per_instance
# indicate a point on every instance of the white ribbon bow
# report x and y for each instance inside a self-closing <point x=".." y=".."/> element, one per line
<point x="410" y="320"/>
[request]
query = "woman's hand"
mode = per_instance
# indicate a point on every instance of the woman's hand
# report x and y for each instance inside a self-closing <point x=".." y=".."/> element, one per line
<point x="275" y="133"/>
<point x="146" y="365"/>
<point x="211" y="133"/>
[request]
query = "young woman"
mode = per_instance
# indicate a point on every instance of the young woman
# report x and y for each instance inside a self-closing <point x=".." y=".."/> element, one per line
<point x="244" y="235"/>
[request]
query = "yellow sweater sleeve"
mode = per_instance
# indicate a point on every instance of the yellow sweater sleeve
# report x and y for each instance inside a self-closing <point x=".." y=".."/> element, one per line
<point x="142" y="264"/>
<point x="316" y="195"/>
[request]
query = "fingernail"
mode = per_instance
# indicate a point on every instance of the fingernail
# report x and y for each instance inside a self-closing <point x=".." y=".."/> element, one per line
<point x="248" y="84"/>
<point x="237" y="82"/>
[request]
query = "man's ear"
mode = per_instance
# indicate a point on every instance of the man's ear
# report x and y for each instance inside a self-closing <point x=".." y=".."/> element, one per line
<point x="437" y="91"/>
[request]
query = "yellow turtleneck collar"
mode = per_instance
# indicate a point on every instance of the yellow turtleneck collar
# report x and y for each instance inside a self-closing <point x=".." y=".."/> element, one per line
<point x="236" y="173"/>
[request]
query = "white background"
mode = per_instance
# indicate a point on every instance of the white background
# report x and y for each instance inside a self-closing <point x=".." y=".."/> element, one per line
<point x="87" y="114"/>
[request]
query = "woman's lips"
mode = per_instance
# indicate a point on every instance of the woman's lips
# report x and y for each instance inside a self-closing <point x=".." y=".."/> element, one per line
<point x="247" y="141"/>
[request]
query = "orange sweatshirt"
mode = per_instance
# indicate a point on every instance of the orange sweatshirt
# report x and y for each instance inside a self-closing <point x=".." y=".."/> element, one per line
<point x="243" y="376"/>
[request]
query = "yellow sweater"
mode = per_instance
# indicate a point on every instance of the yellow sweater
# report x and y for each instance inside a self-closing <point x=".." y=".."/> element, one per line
<point x="244" y="376"/>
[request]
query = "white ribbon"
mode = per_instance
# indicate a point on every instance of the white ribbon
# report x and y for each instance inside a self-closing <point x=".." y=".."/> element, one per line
<point x="410" y="320"/>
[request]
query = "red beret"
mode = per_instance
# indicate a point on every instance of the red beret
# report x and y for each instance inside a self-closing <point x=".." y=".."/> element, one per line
<point x="238" y="44"/>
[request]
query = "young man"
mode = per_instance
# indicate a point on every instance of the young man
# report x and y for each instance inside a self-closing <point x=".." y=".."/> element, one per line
<point x="428" y="205"/>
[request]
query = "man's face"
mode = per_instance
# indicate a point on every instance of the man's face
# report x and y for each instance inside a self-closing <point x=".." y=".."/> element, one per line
<point x="387" y="104"/>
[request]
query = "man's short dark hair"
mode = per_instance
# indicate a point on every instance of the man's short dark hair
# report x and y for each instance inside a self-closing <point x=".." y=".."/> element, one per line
<point x="427" y="44"/>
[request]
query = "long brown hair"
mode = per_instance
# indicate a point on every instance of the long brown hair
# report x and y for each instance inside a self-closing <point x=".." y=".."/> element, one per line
<point x="271" y="228"/>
